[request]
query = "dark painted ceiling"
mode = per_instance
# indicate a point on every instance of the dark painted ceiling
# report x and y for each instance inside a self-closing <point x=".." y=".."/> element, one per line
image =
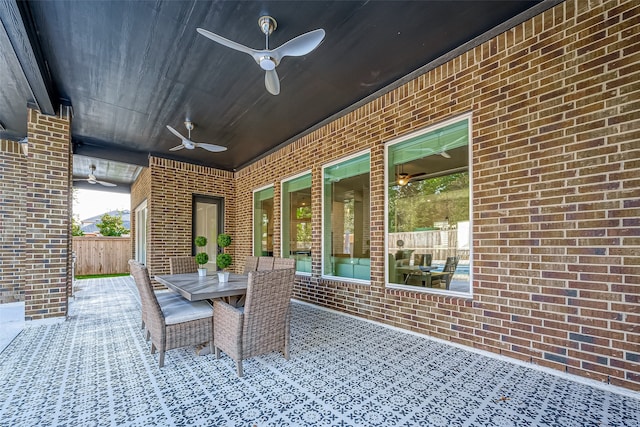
<point x="129" y="68"/>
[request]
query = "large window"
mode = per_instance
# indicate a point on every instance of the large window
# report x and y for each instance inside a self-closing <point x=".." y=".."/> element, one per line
<point x="346" y="219"/>
<point x="428" y="194"/>
<point x="296" y="221"/>
<point x="263" y="222"/>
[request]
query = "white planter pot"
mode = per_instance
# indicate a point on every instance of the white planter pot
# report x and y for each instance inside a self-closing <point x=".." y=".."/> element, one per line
<point x="223" y="276"/>
<point x="202" y="272"/>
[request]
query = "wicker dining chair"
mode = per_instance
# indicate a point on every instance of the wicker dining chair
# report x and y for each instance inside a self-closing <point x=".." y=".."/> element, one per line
<point x="265" y="263"/>
<point x="262" y="325"/>
<point x="251" y="264"/>
<point x="283" y="263"/>
<point x="182" y="264"/>
<point x="163" y="296"/>
<point x="174" y="324"/>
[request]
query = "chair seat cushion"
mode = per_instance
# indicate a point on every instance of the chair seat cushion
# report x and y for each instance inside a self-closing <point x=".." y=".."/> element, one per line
<point x="178" y="310"/>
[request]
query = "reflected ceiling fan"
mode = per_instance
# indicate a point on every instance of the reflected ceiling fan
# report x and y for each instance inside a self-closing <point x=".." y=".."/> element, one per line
<point x="268" y="59"/>
<point x="447" y="146"/>
<point x="92" y="178"/>
<point x="405" y="178"/>
<point x="189" y="144"/>
<point x="441" y="150"/>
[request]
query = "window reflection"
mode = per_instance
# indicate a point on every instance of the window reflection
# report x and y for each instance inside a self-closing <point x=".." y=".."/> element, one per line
<point x="296" y="221"/>
<point x="263" y="222"/>
<point x="429" y="229"/>
<point x="347" y="221"/>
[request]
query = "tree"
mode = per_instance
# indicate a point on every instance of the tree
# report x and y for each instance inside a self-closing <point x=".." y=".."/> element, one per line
<point x="421" y="204"/>
<point x="75" y="228"/>
<point x="111" y="225"/>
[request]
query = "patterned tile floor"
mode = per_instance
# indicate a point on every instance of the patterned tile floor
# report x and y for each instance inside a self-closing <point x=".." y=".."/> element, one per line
<point x="96" y="370"/>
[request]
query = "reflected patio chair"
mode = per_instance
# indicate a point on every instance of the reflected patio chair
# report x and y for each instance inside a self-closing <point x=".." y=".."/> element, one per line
<point x="251" y="264"/>
<point x="262" y="325"/>
<point x="422" y="259"/>
<point x="283" y="263"/>
<point x="403" y="256"/>
<point x="174" y="323"/>
<point x="182" y="264"/>
<point x="265" y="263"/>
<point x="438" y="278"/>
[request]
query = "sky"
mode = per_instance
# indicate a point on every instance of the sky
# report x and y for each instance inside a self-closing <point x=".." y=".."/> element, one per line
<point x="90" y="203"/>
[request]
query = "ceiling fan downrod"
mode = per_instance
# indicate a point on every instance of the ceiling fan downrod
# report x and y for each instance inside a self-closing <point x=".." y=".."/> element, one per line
<point x="267" y="25"/>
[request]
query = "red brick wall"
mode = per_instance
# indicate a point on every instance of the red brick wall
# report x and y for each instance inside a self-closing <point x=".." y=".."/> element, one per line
<point x="555" y="161"/>
<point x="172" y="186"/>
<point x="140" y="191"/>
<point x="47" y="260"/>
<point x="12" y="227"/>
<point x="556" y="246"/>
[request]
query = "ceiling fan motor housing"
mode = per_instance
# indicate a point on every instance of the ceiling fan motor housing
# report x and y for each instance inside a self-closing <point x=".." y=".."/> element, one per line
<point x="268" y="63"/>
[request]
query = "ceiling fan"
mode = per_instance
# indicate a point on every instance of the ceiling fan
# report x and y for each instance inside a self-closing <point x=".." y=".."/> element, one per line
<point x="189" y="144"/>
<point x="268" y="59"/>
<point x="92" y="178"/>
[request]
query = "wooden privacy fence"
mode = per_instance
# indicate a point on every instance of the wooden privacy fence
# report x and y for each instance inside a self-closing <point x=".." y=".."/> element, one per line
<point x="101" y="255"/>
<point x="439" y="243"/>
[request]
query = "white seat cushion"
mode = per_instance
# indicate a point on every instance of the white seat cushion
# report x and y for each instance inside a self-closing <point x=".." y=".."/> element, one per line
<point x="178" y="310"/>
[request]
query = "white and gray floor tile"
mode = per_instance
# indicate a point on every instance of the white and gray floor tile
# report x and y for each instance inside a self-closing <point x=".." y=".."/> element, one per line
<point x="96" y="370"/>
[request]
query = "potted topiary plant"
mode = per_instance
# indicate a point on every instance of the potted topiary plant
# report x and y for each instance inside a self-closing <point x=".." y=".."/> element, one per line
<point x="201" y="258"/>
<point x="223" y="260"/>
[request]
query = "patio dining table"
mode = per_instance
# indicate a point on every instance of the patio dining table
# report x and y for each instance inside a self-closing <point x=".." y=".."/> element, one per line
<point x="424" y="274"/>
<point x="195" y="288"/>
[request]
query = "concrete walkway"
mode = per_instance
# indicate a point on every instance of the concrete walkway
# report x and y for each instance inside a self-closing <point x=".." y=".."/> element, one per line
<point x="11" y="322"/>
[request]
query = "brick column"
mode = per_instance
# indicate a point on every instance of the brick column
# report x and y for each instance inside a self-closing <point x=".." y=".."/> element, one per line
<point x="12" y="226"/>
<point x="48" y="244"/>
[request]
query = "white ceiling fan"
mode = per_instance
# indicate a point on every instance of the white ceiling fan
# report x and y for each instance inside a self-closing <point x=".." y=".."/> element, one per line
<point x="268" y="59"/>
<point x="189" y="144"/>
<point x="92" y="178"/>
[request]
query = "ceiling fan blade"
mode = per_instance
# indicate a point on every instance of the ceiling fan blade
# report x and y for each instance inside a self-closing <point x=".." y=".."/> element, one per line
<point x="177" y="147"/>
<point x="300" y="45"/>
<point x="272" y="82"/>
<point x="175" y="132"/>
<point x="106" y="184"/>
<point x="416" y="176"/>
<point x="210" y="147"/>
<point x="445" y="155"/>
<point x="226" y="42"/>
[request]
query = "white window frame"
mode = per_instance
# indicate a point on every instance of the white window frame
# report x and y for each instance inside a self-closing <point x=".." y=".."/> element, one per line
<point x="468" y="117"/>
<point x="322" y="207"/>
<point x="282" y="183"/>
<point x="253" y="214"/>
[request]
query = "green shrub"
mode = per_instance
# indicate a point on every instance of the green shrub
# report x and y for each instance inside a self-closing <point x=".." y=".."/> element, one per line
<point x="223" y="260"/>
<point x="224" y="240"/>
<point x="202" y="258"/>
